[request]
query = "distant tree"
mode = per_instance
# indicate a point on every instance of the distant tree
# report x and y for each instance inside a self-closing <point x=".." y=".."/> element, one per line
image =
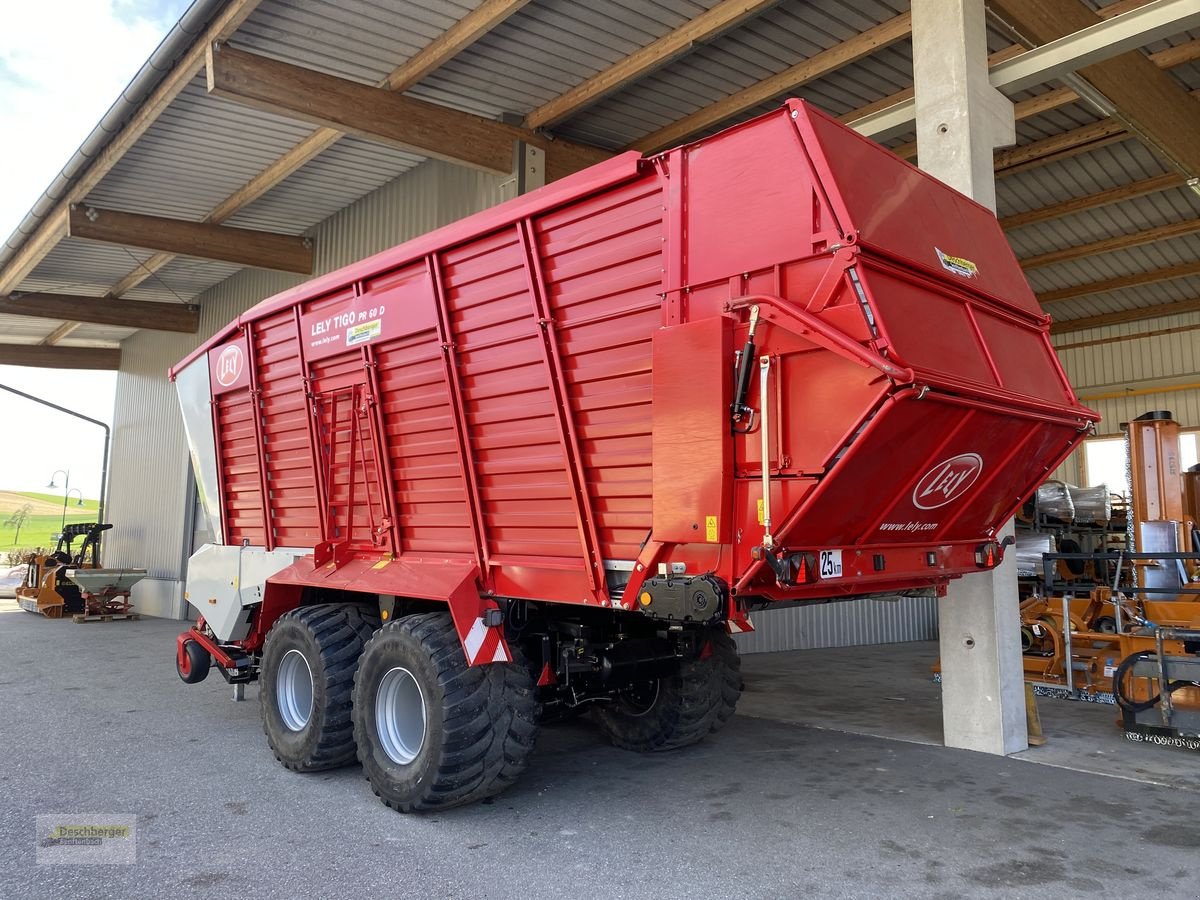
<point x="18" y="519"/>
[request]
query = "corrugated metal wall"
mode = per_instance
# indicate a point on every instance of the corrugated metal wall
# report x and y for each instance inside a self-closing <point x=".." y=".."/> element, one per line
<point x="149" y="485"/>
<point x="1141" y="367"/>
<point x="848" y="624"/>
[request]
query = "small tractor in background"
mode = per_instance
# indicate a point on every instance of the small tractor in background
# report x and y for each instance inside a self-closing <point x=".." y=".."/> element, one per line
<point x="69" y="581"/>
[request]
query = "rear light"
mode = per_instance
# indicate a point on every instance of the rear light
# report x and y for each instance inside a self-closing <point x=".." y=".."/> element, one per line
<point x="987" y="555"/>
<point x="806" y="568"/>
<point x="790" y="568"/>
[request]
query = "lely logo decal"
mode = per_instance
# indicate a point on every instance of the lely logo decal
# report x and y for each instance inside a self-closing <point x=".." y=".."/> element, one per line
<point x="947" y="481"/>
<point x="229" y="365"/>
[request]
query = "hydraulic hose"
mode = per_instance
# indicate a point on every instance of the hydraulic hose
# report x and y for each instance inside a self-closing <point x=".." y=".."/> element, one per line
<point x="1137" y="706"/>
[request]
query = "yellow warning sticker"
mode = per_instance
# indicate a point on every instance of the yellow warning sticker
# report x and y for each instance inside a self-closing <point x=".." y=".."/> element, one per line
<point x="710" y="529"/>
<point x="762" y="515"/>
<point x="383" y="563"/>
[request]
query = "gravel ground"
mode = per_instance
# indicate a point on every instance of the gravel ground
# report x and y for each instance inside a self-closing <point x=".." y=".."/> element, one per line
<point x="95" y="721"/>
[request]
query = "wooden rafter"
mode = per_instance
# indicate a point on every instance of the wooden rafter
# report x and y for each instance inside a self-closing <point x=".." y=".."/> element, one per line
<point x="178" y="317"/>
<point x="1021" y="158"/>
<point x="66" y="329"/>
<point x="1125" y="316"/>
<point x="1141" y="188"/>
<point x="53" y="226"/>
<point x="1139" y="279"/>
<point x="1112" y="244"/>
<point x="418" y="126"/>
<point x="705" y="27"/>
<point x="466" y="31"/>
<point x="60" y="357"/>
<point x="263" y="249"/>
<point x="1120" y="338"/>
<point x="848" y="51"/>
<point x="454" y="39"/>
<point x="1177" y="55"/>
<point x="1153" y="104"/>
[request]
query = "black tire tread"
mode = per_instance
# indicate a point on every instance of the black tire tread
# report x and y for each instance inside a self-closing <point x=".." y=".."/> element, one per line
<point x="340" y="630"/>
<point x="199" y="663"/>
<point x="490" y="719"/>
<point x="707" y="694"/>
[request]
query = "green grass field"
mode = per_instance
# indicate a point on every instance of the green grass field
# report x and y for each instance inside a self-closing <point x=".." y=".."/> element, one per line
<point x="44" y="520"/>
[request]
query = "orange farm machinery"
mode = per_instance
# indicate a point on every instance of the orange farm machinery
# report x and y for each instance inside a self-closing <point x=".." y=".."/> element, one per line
<point x="1137" y="641"/>
<point x="46" y="589"/>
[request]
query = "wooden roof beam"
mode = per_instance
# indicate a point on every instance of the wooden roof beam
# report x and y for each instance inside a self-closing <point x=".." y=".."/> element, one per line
<point x="1139" y="279"/>
<point x="53" y="226"/>
<point x="1112" y="244"/>
<point x="1098" y="40"/>
<point x="1124" y="316"/>
<point x="263" y="249"/>
<point x="437" y="53"/>
<point x="378" y="114"/>
<point x="709" y="25"/>
<point x="177" y="317"/>
<point x="60" y="357"/>
<point x="851" y="50"/>
<point x="1022" y="158"/>
<point x="1119" y="194"/>
<point x="63" y="331"/>
<point x="1121" y="338"/>
<point x="1153" y="105"/>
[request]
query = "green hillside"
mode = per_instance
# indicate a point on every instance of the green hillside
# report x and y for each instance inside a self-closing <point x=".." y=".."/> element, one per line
<point x="44" y="520"/>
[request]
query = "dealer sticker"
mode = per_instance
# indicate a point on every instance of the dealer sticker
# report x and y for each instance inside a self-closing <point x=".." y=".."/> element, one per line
<point x="831" y="564"/>
<point x="360" y="334"/>
<point x="957" y="264"/>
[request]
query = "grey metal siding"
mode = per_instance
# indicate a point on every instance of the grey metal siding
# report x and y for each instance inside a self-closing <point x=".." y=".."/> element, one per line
<point x="1140" y="364"/>
<point x="849" y="624"/>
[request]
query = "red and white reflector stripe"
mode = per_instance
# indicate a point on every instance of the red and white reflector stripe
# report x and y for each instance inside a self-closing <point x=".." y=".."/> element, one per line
<point x="485" y="645"/>
<point x="739" y="623"/>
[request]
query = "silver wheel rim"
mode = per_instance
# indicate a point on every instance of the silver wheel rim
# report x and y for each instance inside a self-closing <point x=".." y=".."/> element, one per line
<point x="294" y="688"/>
<point x="400" y="716"/>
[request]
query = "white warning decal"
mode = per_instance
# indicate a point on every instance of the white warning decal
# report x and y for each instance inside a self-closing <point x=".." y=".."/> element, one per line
<point x="831" y="564"/>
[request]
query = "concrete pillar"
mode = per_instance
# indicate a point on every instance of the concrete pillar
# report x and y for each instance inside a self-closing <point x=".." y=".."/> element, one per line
<point x="961" y="118"/>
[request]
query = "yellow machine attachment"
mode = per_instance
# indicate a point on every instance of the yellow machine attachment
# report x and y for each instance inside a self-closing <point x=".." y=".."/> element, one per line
<point x="45" y="589"/>
<point x="1104" y="630"/>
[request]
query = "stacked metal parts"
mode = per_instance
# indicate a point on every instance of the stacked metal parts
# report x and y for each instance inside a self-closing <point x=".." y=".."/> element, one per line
<point x="1134" y="641"/>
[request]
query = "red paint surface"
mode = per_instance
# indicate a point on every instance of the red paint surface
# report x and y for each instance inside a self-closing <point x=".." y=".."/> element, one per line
<point x="506" y="415"/>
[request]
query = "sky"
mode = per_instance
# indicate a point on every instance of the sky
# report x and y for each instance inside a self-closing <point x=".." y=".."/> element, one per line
<point x="62" y="65"/>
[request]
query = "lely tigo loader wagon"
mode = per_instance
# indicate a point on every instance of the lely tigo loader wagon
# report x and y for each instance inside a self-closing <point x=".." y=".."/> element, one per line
<point x="553" y="454"/>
